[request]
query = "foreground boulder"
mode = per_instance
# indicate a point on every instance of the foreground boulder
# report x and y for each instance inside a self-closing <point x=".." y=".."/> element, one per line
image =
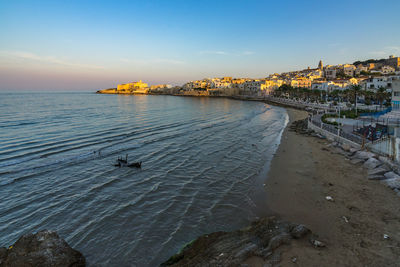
<point x="44" y="248"/>
<point x="261" y="239"/>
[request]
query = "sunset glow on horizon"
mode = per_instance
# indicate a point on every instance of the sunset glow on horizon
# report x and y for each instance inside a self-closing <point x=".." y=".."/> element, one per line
<point x="48" y="45"/>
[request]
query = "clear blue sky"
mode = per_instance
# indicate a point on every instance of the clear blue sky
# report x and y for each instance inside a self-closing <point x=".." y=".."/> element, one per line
<point x="87" y="45"/>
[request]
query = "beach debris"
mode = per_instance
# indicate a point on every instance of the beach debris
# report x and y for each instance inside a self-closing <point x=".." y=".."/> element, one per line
<point x="317" y="244"/>
<point x="372" y="163"/>
<point x="385" y="236"/>
<point x="345" y="219"/>
<point x="329" y="198"/>
<point x="294" y="259"/>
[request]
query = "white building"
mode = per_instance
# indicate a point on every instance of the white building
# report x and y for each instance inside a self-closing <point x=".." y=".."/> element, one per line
<point x="387" y="70"/>
<point x="330" y="73"/>
<point x="251" y="87"/>
<point x="396" y="95"/>
<point x="374" y="83"/>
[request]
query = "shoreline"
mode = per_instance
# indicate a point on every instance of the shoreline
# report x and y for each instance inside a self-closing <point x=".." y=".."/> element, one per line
<point x="304" y="171"/>
<point x="357" y="225"/>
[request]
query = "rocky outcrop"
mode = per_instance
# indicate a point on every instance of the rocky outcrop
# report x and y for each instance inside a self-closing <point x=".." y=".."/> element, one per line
<point x="261" y="239"/>
<point x="44" y="248"/>
<point x="300" y="126"/>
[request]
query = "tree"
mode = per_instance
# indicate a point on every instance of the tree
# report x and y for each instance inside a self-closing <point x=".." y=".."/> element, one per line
<point x="355" y="88"/>
<point x="381" y="95"/>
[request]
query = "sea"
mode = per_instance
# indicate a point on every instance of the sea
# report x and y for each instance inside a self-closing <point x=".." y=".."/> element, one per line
<point x="204" y="162"/>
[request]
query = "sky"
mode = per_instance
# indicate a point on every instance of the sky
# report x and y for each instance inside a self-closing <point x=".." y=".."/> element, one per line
<point x="91" y="45"/>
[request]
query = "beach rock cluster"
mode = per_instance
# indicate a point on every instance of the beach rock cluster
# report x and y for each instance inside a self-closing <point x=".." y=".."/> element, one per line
<point x="261" y="239"/>
<point x="301" y="127"/>
<point x="379" y="168"/>
<point x="45" y="248"/>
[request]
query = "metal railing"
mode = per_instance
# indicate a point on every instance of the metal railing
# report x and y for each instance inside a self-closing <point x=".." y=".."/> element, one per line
<point x="335" y="130"/>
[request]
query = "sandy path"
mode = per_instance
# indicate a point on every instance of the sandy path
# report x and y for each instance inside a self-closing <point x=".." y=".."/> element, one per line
<point x="303" y="172"/>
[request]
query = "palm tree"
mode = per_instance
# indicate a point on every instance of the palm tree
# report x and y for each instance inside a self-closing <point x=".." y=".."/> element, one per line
<point x="381" y="95"/>
<point x="355" y="88"/>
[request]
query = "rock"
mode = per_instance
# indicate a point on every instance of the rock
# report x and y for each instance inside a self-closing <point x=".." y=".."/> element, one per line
<point x="353" y="150"/>
<point x="390" y="163"/>
<point x="393" y="183"/>
<point x="317" y="244"/>
<point x="397" y="191"/>
<point x="391" y="175"/>
<point x="346" y="147"/>
<point x="278" y="240"/>
<point x="363" y="155"/>
<point x="299" y="231"/>
<point x="378" y="171"/>
<point x="376" y="177"/>
<point x="356" y="161"/>
<point x="372" y="163"/>
<point x="338" y="150"/>
<point x="262" y="239"/>
<point x="45" y="248"/>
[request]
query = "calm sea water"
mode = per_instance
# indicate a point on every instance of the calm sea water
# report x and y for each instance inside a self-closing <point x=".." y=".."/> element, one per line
<point x="204" y="163"/>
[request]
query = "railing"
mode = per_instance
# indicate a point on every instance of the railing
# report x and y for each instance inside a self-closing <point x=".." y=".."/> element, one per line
<point x="335" y="130"/>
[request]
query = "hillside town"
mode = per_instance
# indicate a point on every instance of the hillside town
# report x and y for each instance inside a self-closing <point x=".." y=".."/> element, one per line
<point x="370" y="75"/>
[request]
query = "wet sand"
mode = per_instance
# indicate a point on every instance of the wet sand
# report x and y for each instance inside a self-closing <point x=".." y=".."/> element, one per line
<point x="303" y="172"/>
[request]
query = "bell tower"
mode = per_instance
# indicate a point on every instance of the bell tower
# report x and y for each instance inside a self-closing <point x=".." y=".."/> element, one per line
<point x="320" y="65"/>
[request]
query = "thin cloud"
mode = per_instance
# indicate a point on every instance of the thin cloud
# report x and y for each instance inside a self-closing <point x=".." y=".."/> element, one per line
<point x="45" y="59"/>
<point x="152" y="61"/>
<point x="393" y="48"/>
<point x="248" y="53"/>
<point x="168" y="61"/>
<point x="386" y="51"/>
<point x="224" y="53"/>
<point x="378" y="53"/>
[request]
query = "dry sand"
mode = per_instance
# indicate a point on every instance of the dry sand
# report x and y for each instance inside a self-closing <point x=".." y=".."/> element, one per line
<point x="303" y="172"/>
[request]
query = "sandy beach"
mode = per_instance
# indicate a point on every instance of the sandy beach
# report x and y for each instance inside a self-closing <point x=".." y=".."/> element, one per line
<point x="304" y="171"/>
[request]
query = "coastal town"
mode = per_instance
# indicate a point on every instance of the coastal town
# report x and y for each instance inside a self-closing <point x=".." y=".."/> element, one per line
<point x="371" y="75"/>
